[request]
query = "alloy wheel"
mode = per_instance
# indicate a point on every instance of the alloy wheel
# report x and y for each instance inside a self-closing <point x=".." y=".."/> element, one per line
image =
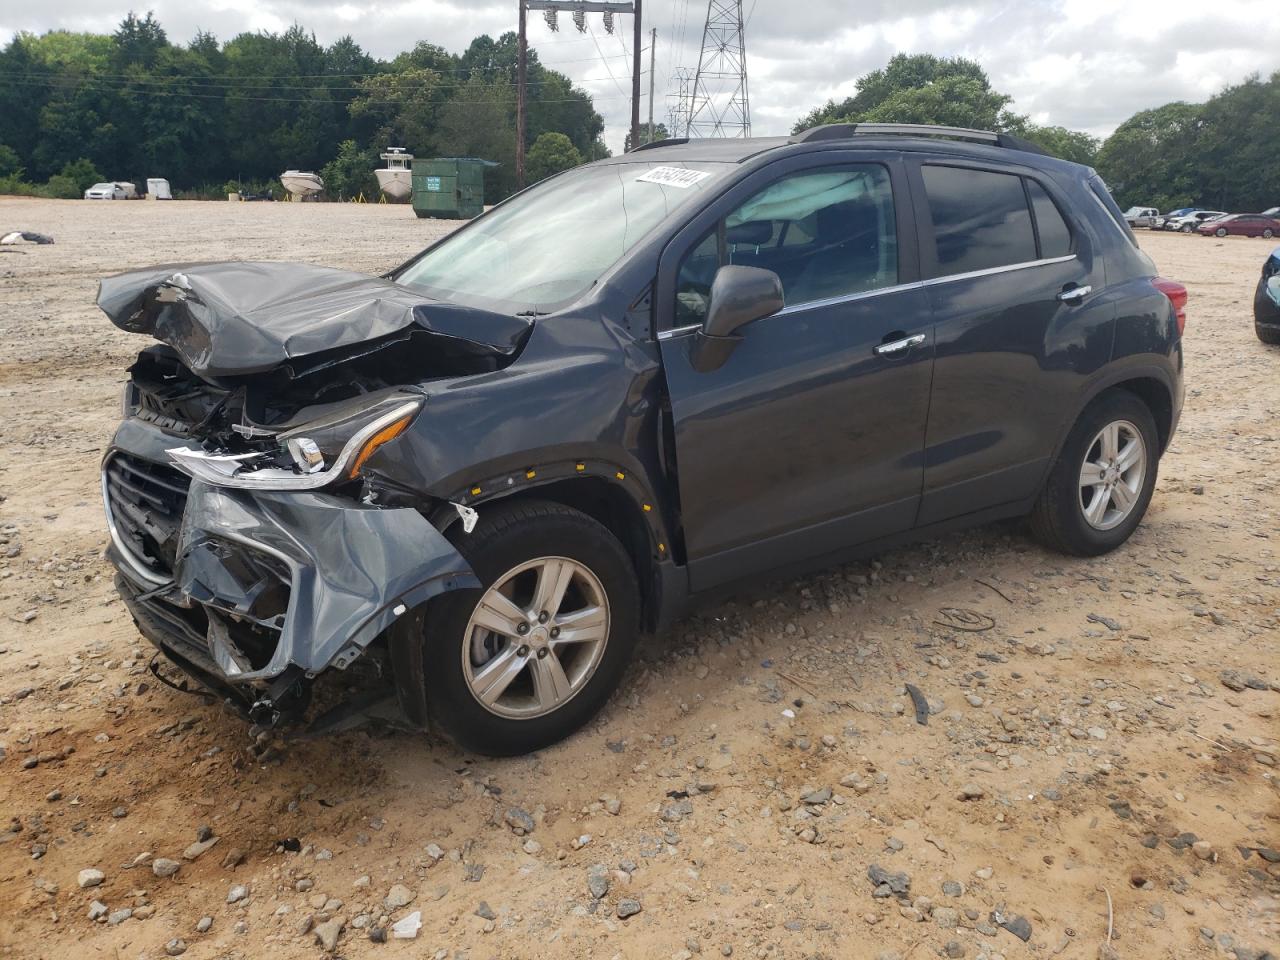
<point x="535" y="638"/>
<point x="1111" y="477"/>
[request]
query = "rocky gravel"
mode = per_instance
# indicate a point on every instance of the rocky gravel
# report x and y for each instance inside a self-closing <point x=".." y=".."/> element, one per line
<point x="969" y="748"/>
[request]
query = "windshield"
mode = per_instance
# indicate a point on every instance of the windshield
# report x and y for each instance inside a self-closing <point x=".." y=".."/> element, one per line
<point x="554" y="242"/>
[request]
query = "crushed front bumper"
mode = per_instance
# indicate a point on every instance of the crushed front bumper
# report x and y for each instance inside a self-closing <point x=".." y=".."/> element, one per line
<point x="258" y="592"/>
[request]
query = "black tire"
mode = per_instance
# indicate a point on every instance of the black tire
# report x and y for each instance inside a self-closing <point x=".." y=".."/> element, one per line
<point x="1268" y="233"/>
<point x="506" y="536"/>
<point x="1057" y="519"/>
<point x="1270" y="335"/>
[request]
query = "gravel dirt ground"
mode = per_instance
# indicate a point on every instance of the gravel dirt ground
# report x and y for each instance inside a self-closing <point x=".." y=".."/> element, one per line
<point x="1099" y="763"/>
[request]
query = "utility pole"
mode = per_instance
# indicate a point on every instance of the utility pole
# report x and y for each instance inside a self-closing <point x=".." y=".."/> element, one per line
<point x="653" y="46"/>
<point x="637" y="35"/>
<point x="522" y="75"/>
<point x="579" y="9"/>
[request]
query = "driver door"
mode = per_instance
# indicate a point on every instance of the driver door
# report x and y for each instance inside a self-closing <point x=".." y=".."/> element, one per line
<point x="810" y="438"/>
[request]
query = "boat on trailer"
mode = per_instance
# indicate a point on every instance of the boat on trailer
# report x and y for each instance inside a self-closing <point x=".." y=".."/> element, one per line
<point x="396" y="178"/>
<point x="301" y="183"/>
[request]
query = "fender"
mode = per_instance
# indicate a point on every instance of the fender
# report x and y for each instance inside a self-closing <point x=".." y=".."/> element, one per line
<point x="1117" y="372"/>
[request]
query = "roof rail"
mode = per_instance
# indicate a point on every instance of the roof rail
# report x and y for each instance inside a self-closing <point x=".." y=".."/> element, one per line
<point x="668" y="142"/>
<point x="842" y="131"/>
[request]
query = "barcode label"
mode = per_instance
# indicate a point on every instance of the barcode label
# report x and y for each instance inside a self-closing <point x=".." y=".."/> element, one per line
<point x="673" y="177"/>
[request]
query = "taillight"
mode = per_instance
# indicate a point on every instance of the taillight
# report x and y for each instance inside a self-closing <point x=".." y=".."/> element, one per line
<point x="1177" y="295"/>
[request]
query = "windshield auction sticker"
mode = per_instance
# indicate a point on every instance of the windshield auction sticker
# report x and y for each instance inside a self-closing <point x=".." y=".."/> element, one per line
<point x="673" y="177"/>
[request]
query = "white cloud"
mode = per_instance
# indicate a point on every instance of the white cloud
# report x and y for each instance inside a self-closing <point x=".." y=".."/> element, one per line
<point x="1086" y="64"/>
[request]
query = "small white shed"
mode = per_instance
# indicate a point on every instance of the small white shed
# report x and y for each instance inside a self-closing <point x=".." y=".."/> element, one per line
<point x="158" y="189"/>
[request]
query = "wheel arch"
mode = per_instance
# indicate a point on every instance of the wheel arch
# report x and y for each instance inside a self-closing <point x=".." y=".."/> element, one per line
<point x="619" y="500"/>
<point x="1151" y="385"/>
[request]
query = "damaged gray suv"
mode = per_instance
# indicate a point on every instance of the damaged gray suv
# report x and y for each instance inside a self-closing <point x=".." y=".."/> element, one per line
<point x="481" y="476"/>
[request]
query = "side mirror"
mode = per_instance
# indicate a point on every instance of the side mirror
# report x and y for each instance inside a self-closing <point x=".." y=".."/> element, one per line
<point x="739" y="295"/>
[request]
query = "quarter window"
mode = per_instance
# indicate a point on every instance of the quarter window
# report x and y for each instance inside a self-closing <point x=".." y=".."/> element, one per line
<point x="980" y="219"/>
<point x="1055" y="238"/>
<point x="826" y="234"/>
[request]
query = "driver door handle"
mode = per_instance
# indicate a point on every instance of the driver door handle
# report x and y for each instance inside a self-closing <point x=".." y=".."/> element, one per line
<point x="894" y="347"/>
<point x="1075" y="294"/>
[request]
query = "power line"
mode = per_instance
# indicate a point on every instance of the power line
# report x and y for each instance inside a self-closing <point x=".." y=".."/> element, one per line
<point x="336" y="76"/>
<point x="315" y="100"/>
<point x="604" y="60"/>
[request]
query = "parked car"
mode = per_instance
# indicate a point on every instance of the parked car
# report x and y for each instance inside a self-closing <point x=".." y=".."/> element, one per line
<point x="106" y="191"/>
<point x="1141" y="216"/>
<point x="1240" y="225"/>
<point x="1159" y="222"/>
<point x="648" y="378"/>
<point x="1266" y="301"/>
<point x="1189" y="222"/>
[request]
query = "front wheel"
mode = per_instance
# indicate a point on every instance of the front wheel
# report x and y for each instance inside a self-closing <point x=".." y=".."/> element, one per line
<point x="1185" y="228"/>
<point x="1101" y="484"/>
<point x="531" y="657"/>
<point x="1220" y="232"/>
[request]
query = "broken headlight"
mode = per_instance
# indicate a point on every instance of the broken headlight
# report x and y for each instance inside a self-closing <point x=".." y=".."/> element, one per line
<point x="309" y="456"/>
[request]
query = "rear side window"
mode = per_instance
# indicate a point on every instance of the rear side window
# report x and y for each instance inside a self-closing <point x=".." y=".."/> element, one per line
<point x="1108" y="203"/>
<point x="1055" y="238"/>
<point x="980" y="219"/>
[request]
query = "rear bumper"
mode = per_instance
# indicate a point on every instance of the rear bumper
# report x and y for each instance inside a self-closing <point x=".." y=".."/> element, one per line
<point x="269" y="585"/>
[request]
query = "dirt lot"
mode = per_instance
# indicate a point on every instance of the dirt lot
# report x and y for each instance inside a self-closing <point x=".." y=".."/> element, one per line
<point x="1101" y="751"/>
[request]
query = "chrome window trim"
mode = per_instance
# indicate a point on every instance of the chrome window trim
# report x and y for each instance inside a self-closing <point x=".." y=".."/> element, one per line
<point x="848" y="297"/>
<point x="897" y="287"/>
<point x="678" y="331"/>
<point x="1007" y="268"/>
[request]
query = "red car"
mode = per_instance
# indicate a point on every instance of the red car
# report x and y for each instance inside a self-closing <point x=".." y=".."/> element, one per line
<point x="1241" y="225"/>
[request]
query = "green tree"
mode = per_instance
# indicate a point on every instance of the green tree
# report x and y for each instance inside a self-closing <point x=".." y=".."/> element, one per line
<point x="10" y="162"/>
<point x="479" y="121"/>
<point x="82" y="173"/>
<point x="1073" y="145"/>
<point x="1153" y="158"/>
<point x="550" y="154"/>
<point x="350" y="173"/>
<point x="659" y="132"/>
<point x="139" y="40"/>
<point x="403" y="106"/>
<point x="922" y="88"/>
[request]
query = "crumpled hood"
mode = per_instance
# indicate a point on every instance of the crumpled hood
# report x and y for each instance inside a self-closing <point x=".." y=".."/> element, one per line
<point x="227" y="319"/>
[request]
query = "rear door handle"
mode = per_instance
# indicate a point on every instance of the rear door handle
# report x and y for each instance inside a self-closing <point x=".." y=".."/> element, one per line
<point x="1075" y="294"/>
<point x="898" y="346"/>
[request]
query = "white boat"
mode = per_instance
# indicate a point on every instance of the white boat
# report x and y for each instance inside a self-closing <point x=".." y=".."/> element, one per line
<point x="396" y="178"/>
<point x="301" y="183"/>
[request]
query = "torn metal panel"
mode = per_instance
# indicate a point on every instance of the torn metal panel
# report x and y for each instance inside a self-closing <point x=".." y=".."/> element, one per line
<point x="324" y="575"/>
<point x="232" y="319"/>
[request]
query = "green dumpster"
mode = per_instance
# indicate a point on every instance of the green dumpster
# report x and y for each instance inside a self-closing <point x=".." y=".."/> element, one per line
<point x="451" y="188"/>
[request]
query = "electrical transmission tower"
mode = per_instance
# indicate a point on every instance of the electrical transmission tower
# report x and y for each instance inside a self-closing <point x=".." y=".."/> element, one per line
<point x="722" y="65"/>
<point x="678" y="102"/>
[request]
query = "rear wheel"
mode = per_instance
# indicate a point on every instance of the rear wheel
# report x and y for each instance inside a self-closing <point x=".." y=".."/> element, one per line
<point x="1268" y="233"/>
<point x="1101" y="484"/>
<point x="531" y="657"/>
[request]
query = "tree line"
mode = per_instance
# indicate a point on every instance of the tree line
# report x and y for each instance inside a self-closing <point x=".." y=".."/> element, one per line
<point x="1218" y="154"/>
<point x="232" y="115"/>
<point x="133" y="104"/>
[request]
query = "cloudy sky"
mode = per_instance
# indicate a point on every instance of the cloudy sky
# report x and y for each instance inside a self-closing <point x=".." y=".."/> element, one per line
<point x="1085" y="64"/>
